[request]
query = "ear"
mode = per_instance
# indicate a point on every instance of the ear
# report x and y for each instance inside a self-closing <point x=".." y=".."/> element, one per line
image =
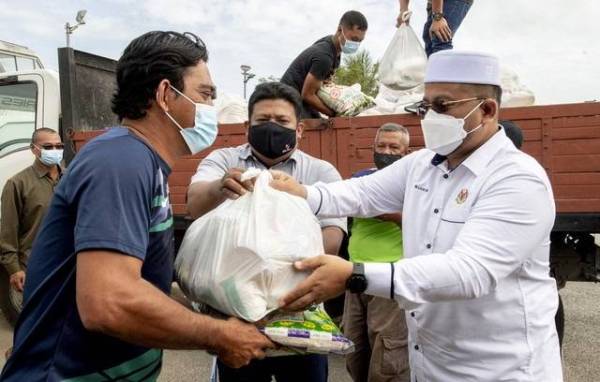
<point x="299" y="130"/>
<point x="162" y="94"/>
<point x="490" y="109"/>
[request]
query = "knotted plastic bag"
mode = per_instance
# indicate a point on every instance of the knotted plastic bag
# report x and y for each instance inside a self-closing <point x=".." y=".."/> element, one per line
<point x="402" y="66"/>
<point x="239" y="258"/>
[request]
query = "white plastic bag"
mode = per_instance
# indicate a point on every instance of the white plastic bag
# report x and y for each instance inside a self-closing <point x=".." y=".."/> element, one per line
<point x="345" y="100"/>
<point x="239" y="257"/>
<point x="402" y="66"/>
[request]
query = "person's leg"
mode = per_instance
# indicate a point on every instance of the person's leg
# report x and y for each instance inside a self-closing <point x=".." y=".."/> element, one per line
<point x="256" y="371"/>
<point x="426" y="36"/>
<point x="454" y="13"/>
<point x="355" y="329"/>
<point x="300" y="368"/>
<point x="389" y="334"/>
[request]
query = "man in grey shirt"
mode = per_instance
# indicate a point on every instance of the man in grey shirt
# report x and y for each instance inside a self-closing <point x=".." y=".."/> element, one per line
<point x="275" y="128"/>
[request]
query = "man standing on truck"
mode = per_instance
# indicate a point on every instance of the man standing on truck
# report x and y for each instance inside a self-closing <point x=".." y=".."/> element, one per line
<point x="443" y="19"/>
<point x="317" y="63"/>
<point x="477" y="214"/>
<point x="25" y="199"/>
<point x="275" y="129"/>
<point x="377" y="325"/>
<point x="97" y="303"/>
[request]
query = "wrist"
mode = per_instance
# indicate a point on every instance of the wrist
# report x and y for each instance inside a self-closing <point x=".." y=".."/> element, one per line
<point x="437" y="16"/>
<point x="303" y="192"/>
<point x="213" y="337"/>
<point x="357" y="281"/>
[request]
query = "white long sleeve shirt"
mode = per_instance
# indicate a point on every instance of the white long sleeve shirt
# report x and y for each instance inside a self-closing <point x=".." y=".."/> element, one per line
<point x="475" y="279"/>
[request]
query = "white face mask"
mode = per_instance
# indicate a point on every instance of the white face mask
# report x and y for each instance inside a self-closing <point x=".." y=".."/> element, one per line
<point x="444" y="133"/>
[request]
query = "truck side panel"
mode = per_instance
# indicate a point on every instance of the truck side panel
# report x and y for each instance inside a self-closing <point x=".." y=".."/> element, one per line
<point x="565" y="139"/>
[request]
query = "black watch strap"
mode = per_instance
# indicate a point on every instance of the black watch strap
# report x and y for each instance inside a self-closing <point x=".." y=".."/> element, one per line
<point x="357" y="282"/>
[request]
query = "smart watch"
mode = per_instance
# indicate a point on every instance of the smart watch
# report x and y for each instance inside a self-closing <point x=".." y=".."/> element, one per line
<point x="357" y="282"/>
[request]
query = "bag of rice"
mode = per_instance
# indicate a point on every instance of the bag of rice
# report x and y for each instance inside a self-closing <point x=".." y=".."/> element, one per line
<point x="345" y="100"/>
<point x="311" y="331"/>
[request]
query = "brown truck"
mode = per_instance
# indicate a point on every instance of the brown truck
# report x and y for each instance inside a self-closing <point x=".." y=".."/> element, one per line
<point x="565" y="139"/>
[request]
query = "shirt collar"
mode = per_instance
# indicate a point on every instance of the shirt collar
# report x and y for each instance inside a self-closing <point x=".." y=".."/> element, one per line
<point x="480" y="158"/>
<point x="246" y="153"/>
<point x="42" y="171"/>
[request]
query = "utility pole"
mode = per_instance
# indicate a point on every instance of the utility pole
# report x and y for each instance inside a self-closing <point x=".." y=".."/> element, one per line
<point x="246" y="75"/>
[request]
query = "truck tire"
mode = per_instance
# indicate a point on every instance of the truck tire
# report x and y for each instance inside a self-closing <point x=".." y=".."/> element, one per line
<point x="11" y="301"/>
<point x="559" y="319"/>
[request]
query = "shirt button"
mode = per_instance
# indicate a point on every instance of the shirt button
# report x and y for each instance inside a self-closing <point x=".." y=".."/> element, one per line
<point x="436" y="211"/>
<point x="445" y="176"/>
<point x="428" y="246"/>
<point x="412" y="314"/>
<point x="416" y="347"/>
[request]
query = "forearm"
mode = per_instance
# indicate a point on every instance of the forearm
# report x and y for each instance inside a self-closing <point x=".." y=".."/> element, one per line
<point x="403" y="5"/>
<point x="332" y="239"/>
<point x="430" y="278"/>
<point x="140" y="313"/>
<point x="10" y="261"/>
<point x="437" y="6"/>
<point x="9" y="229"/>
<point x="203" y="197"/>
<point x="314" y="101"/>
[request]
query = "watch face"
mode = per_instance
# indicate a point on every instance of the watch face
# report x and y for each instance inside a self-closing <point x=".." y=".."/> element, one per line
<point x="438" y="16"/>
<point x="357" y="283"/>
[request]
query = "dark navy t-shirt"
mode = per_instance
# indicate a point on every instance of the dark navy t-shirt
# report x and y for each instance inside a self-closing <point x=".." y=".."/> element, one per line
<point x="113" y="197"/>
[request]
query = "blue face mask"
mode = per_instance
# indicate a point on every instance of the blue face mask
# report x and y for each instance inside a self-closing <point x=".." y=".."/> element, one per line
<point x="205" y="129"/>
<point x="349" y="47"/>
<point x="51" y="157"/>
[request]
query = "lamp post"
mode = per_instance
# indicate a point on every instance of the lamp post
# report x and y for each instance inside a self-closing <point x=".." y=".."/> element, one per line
<point x="70" y="28"/>
<point x="246" y="75"/>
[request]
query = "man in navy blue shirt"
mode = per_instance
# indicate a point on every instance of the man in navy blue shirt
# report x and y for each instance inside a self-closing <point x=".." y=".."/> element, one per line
<point x="96" y="300"/>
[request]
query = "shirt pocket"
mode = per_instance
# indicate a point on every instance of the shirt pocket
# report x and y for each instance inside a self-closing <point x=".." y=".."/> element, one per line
<point x="452" y="221"/>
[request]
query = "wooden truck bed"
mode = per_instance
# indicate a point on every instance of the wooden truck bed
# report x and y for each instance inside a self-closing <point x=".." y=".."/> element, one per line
<point x="565" y="139"/>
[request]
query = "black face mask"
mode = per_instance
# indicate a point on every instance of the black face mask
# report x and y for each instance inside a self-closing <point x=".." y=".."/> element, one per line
<point x="384" y="160"/>
<point x="271" y="139"/>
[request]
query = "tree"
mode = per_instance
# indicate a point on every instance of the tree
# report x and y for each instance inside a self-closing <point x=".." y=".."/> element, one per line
<point x="359" y="68"/>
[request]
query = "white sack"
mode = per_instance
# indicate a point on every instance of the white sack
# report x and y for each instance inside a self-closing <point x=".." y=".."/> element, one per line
<point x="402" y="66"/>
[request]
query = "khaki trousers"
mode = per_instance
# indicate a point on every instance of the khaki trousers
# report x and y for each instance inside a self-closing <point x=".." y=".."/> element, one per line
<point x="377" y="326"/>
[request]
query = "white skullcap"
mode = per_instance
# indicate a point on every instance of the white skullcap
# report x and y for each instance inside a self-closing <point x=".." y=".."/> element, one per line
<point x="463" y="67"/>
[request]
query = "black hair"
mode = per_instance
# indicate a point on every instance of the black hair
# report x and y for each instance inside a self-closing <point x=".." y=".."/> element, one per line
<point x="36" y="133"/>
<point x="351" y="19"/>
<point x="513" y="132"/>
<point x="149" y="59"/>
<point x="276" y="90"/>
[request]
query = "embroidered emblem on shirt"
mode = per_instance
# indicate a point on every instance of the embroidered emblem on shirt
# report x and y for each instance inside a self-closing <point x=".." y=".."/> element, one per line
<point x="462" y="196"/>
<point x="421" y="188"/>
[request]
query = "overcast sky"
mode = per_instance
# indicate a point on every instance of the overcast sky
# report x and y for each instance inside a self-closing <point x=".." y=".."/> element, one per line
<point x="552" y="44"/>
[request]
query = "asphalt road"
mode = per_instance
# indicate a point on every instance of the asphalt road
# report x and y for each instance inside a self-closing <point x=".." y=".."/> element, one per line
<point x="581" y="352"/>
